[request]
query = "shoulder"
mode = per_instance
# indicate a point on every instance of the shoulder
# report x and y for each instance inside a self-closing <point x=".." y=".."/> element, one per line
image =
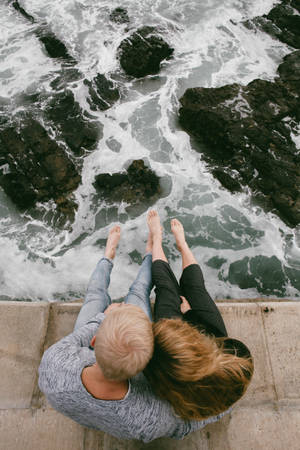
<point x="61" y="370"/>
<point x="60" y="354"/>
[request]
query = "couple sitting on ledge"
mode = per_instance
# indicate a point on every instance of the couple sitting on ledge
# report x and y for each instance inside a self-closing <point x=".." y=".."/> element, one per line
<point x="133" y="378"/>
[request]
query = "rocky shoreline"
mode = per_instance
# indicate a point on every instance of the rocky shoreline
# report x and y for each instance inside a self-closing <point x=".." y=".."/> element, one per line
<point x="34" y="168"/>
<point x="246" y="132"/>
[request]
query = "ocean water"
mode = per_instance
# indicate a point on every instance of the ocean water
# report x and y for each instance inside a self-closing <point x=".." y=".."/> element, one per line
<point x="243" y="251"/>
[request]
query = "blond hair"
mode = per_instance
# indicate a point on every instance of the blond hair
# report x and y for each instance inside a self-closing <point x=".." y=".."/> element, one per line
<point x="199" y="375"/>
<point x="124" y="342"/>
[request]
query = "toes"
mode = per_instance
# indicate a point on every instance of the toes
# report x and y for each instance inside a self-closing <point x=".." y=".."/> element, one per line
<point x="152" y="213"/>
<point x="176" y="226"/>
<point x="116" y="228"/>
<point x="114" y="233"/>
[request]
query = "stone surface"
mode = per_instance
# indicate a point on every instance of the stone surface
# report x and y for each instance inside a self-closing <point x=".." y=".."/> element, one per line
<point x="197" y="440"/>
<point x="67" y="75"/>
<point x="289" y="72"/>
<point x="247" y="134"/>
<point x="241" y="320"/>
<point x="282" y="22"/>
<point x="279" y="320"/>
<point x="141" y="53"/>
<point x="62" y="318"/>
<point x="246" y="428"/>
<point x="38" y="168"/>
<point x="66" y="116"/>
<point x="263" y="428"/>
<point x="135" y="185"/>
<point x="53" y="46"/>
<point x="39" y="430"/>
<point x="266" y="418"/>
<point x="16" y="5"/>
<point x="119" y="15"/>
<point x="267" y="274"/>
<point x="95" y="440"/>
<point x="103" y="93"/>
<point x="23" y="328"/>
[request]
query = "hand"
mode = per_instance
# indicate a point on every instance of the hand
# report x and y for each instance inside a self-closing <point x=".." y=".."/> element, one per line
<point x="185" y="306"/>
<point x="111" y="307"/>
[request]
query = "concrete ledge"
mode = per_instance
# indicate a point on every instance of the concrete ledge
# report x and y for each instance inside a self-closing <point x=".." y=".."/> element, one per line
<point x="267" y="417"/>
<point x="23" y="328"/>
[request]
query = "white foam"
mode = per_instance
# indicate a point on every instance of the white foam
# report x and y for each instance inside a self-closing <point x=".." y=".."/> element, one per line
<point x="23" y="62"/>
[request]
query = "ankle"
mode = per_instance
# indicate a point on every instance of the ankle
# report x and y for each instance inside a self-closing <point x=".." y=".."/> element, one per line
<point x="157" y="236"/>
<point x="182" y="246"/>
<point x="110" y="254"/>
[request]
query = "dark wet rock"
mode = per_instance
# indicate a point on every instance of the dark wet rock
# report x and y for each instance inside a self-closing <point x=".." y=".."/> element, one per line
<point x="136" y="257"/>
<point x="67" y="118"/>
<point x="215" y="262"/>
<point x="142" y="52"/>
<point x="37" y="169"/>
<point x="103" y="93"/>
<point x="16" y="5"/>
<point x="16" y="187"/>
<point x="247" y="131"/>
<point x="289" y="71"/>
<point x="266" y="274"/>
<point x="113" y="144"/>
<point x="54" y="47"/>
<point x="119" y="15"/>
<point x="135" y="185"/>
<point x="67" y="207"/>
<point x="4" y="120"/>
<point x="293" y="277"/>
<point x="227" y="180"/>
<point x="282" y="22"/>
<point x="65" y="76"/>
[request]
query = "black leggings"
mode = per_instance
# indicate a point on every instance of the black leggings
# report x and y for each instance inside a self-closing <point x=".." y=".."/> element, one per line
<point x="192" y="287"/>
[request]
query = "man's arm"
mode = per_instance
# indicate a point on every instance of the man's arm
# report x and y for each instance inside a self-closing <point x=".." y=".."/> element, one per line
<point x="62" y="355"/>
<point x="80" y="337"/>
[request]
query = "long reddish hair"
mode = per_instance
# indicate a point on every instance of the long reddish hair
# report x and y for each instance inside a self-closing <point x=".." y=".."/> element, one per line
<point x="196" y="373"/>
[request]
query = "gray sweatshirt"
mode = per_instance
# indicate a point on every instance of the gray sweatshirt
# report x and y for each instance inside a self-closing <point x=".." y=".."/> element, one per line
<point x="139" y="415"/>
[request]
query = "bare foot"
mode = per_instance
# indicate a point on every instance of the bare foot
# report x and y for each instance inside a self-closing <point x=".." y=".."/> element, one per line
<point x="154" y="225"/>
<point x="112" y="242"/>
<point x="178" y="231"/>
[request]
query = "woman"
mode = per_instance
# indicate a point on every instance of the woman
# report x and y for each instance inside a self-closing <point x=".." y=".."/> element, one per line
<point x="195" y="366"/>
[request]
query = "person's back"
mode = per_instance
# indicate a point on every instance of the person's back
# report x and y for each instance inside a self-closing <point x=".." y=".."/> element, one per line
<point x="138" y="415"/>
